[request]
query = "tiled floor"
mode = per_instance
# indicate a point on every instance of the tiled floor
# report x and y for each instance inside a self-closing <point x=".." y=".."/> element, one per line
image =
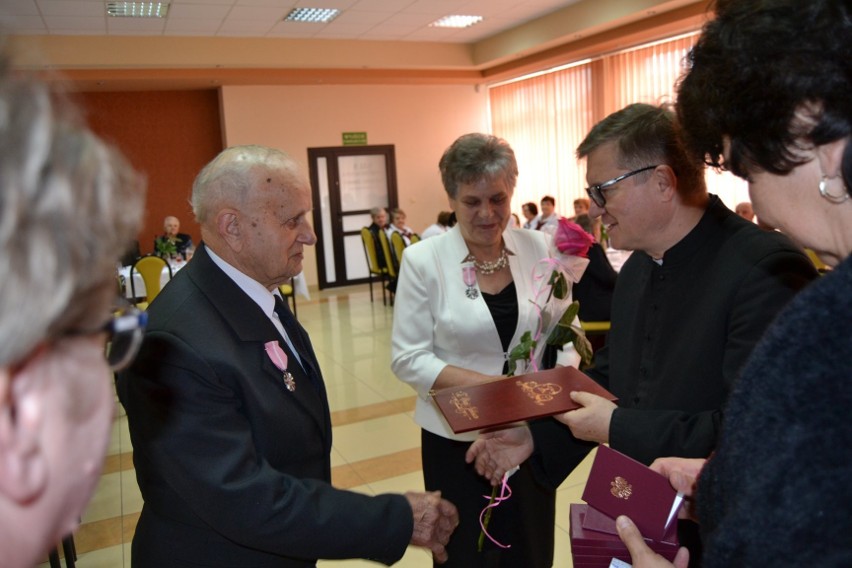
<point x="376" y="442"/>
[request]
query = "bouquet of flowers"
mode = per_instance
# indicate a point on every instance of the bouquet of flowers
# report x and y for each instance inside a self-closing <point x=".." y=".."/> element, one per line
<point x="166" y="246"/>
<point x="552" y="279"/>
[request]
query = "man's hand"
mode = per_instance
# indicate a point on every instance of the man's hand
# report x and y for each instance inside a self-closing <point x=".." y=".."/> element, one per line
<point x="591" y="422"/>
<point x="499" y="451"/>
<point x="434" y="522"/>
<point x="641" y="553"/>
<point x="683" y="474"/>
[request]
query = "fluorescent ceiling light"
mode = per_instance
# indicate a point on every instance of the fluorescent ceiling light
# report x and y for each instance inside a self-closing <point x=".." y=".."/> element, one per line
<point x="137" y="9"/>
<point x="456" y="21"/>
<point x="311" y="15"/>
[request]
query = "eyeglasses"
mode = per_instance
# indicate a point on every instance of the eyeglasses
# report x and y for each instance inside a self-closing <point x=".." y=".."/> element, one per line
<point x="596" y="191"/>
<point x="125" y="329"/>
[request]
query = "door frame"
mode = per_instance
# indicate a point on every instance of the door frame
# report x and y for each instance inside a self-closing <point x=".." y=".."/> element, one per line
<point x="331" y="153"/>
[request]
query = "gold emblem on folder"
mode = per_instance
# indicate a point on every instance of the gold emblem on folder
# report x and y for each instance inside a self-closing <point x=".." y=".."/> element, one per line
<point x="620" y="488"/>
<point x="539" y="393"/>
<point x="461" y="401"/>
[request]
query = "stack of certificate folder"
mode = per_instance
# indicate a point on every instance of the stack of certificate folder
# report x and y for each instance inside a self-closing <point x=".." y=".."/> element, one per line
<point x="619" y="485"/>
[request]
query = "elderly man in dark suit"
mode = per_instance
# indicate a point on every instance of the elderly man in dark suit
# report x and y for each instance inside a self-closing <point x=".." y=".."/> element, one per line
<point x="226" y="404"/>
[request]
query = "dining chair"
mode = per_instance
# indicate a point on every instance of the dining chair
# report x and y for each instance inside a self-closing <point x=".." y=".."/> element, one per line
<point x="150" y="268"/>
<point x="821" y="267"/>
<point x="398" y="245"/>
<point x="373" y="263"/>
<point x="390" y="260"/>
<point x="288" y="291"/>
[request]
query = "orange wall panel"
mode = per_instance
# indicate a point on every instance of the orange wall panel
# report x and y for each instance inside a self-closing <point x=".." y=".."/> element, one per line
<point x="168" y="136"/>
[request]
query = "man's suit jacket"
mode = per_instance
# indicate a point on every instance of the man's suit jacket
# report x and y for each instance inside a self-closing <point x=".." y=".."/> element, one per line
<point x="234" y="468"/>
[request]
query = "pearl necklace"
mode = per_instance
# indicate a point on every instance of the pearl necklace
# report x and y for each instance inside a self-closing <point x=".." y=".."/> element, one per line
<point x="487" y="268"/>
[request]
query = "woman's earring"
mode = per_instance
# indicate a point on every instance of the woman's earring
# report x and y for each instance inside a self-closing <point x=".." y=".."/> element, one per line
<point x="823" y="190"/>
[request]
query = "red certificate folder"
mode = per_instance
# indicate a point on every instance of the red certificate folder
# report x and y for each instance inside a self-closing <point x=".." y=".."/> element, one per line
<point x="593" y="549"/>
<point x="619" y="485"/>
<point x="513" y="399"/>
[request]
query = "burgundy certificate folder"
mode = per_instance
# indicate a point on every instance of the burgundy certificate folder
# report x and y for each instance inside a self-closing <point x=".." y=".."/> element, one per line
<point x="513" y="399"/>
<point x="619" y="485"/>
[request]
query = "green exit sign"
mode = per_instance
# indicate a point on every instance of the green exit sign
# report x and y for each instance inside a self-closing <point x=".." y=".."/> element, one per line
<point x="354" y="138"/>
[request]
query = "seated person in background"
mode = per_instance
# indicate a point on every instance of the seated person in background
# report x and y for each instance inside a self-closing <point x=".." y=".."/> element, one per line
<point x="398" y="226"/>
<point x="595" y="288"/>
<point x="530" y="211"/>
<point x="745" y="211"/>
<point x="57" y="292"/>
<point x="379" y="215"/>
<point x="171" y="237"/>
<point x="689" y="304"/>
<point x="442" y="225"/>
<point x="514" y="221"/>
<point x="581" y="207"/>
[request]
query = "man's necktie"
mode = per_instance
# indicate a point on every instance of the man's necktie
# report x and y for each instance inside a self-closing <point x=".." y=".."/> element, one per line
<point x="297" y="335"/>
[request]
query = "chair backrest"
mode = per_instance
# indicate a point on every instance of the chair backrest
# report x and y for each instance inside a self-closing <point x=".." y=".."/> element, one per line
<point x="398" y="244"/>
<point x="288" y="291"/>
<point x="370" y="251"/>
<point x="818" y="263"/>
<point x="391" y="260"/>
<point x="150" y="268"/>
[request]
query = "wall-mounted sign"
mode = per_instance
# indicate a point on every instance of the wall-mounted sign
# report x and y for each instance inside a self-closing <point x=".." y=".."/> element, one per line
<point x="354" y="138"/>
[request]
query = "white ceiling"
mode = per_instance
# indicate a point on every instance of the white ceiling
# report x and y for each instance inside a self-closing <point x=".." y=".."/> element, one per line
<point x="399" y="20"/>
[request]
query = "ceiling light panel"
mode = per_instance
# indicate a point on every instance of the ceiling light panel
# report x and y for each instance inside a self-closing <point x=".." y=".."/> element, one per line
<point x="456" y="21"/>
<point x="311" y="15"/>
<point x="137" y="9"/>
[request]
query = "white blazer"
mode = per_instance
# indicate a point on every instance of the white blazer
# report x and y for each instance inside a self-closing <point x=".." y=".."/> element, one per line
<point x="435" y="324"/>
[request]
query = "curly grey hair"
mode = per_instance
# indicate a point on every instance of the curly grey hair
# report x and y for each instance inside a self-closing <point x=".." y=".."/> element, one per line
<point x="475" y="157"/>
<point x="57" y="275"/>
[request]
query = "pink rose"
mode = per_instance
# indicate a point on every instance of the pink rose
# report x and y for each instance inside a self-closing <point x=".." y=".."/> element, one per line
<point x="570" y="238"/>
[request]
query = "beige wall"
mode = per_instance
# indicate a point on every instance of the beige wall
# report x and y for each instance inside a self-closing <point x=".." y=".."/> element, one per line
<point x="420" y="121"/>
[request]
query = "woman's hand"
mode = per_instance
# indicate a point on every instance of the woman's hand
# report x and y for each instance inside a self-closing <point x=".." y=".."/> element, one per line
<point x="641" y="554"/>
<point x="499" y="451"/>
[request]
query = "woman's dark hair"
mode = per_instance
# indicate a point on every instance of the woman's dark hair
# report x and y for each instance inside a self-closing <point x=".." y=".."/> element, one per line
<point x="757" y="69"/>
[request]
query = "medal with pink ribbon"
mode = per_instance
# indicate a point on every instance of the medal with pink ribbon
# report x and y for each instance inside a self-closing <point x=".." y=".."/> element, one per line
<point x="469" y="276"/>
<point x="279" y="359"/>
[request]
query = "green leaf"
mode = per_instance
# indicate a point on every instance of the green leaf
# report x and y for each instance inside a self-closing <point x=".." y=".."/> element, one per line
<point x="560" y="286"/>
<point x="522" y="351"/>
<point x="565" y="332"/>
<point x="584" y="348"/>
<point x="167" y="247"/>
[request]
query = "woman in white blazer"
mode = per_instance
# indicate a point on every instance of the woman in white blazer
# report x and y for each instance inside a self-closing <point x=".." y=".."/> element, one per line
<point x="453" y="326"/>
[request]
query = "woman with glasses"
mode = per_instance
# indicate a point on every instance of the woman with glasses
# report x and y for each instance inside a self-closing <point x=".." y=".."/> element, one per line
<point x="57" y="292"/>
<point x="768" y="96"/>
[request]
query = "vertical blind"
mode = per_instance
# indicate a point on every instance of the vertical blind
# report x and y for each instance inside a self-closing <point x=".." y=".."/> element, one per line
<point x="546" y="116"/>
